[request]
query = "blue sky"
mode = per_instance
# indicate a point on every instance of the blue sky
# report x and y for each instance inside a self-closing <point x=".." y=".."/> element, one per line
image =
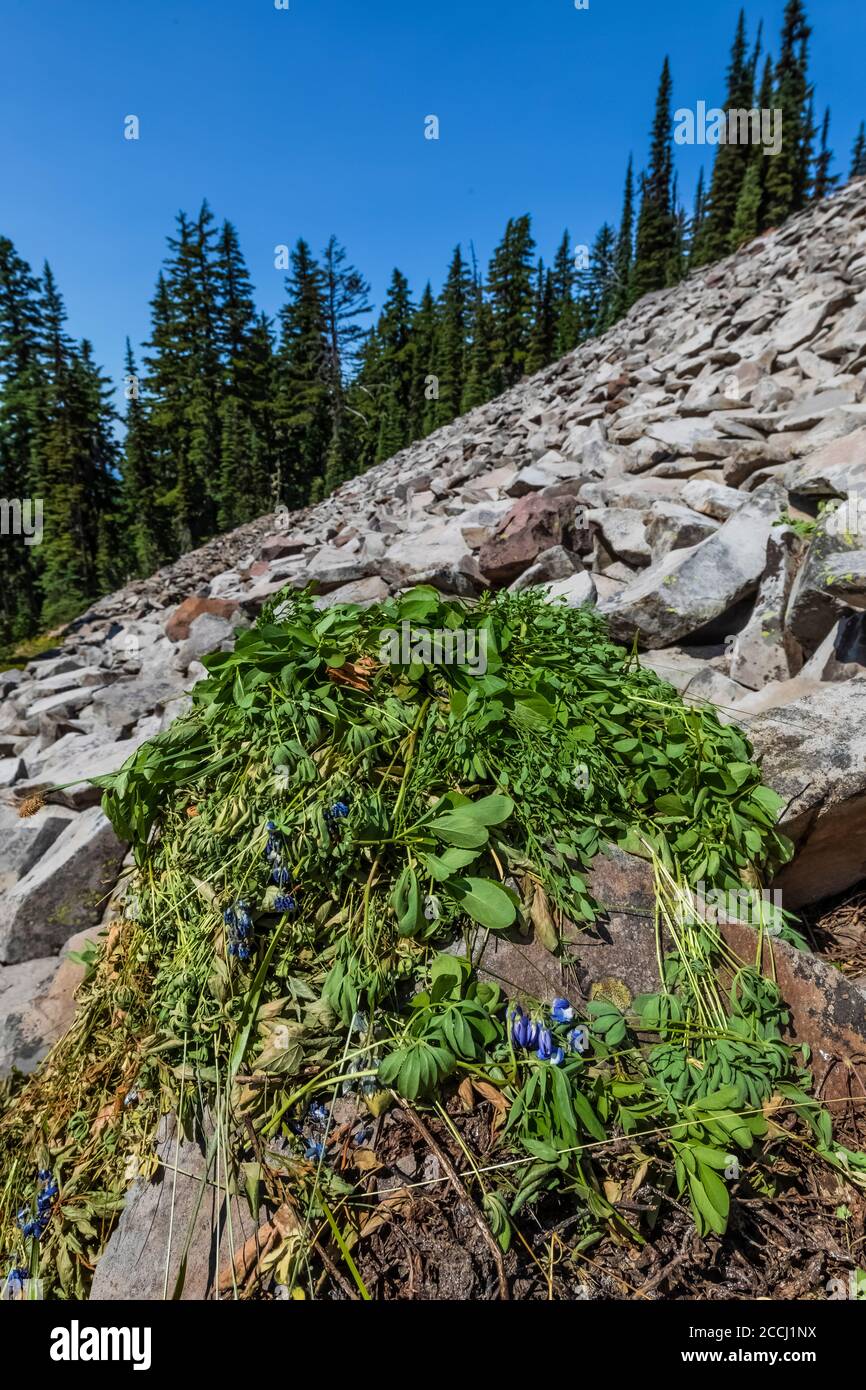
<point x="311" y="120"/>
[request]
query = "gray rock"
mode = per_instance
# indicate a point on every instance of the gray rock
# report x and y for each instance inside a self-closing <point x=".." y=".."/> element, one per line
<point x="813" y="752"/>
<point x="577" y="591"/>
<point x="207" y="633"/>
<point x="63" y="892"/>
<point x="672" y="527"/>
<point x="815" y="606"/>
<point x="11" y="769"/>
<point x="764" y="650"/>
<point x="623" y="534"/>
<point x="712" y="499"/>
<point x="552" y="564"/>
<point x="142" y="1260"/>
<point x="690" y="588"/>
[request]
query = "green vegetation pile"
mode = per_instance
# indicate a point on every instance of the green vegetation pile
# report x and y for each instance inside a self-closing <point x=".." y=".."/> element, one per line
<point x="320" y="846"/>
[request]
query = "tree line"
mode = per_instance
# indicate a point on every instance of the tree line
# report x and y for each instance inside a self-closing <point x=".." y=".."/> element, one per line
<point x="228" y="413"/>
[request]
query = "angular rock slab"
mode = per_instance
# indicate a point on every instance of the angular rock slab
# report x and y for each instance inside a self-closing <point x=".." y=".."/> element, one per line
<point x="690" y="588"/>
<point x="154" y="1224"/>
<point x="63" y="893"/>
<point x="813" y="752"/>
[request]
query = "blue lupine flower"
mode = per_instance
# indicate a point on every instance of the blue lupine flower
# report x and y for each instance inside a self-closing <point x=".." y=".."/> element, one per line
<point x="314" y="1150"/>
<point x="578" y="1040"/>
<point x="271" y="825"/>
<point x="557" y="1057"/>
<point x="524" y="1030"/>
<point x="15" y="1280"/>
<point x="285" y="903"/>
<point x="338" y="811"/>
<point x="229" y="917"/>
<point x="544" y="1048"/>
<point x="281" y="876"/>
<point x="233" y="948"/>
<point x="243" y="951"/>
<point x="44" y="1175"/>
<point x="561" y="1011"/>
<point x="319" y="1112"/>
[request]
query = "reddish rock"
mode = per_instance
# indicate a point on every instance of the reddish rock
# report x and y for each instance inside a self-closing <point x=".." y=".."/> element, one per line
<point x="279" y="547"/>
<point x="535" y="523"/>
<point x="178" y="625"/>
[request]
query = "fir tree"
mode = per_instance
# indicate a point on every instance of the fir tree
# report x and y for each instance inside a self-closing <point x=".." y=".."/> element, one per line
<point x="731" y="162"/>
<point x="747" y="217"/>
<point x="858" y="154"/>
<point x="482" y="379"/>
<point x="565" y="306"/>
<point x="656" y="225"/>
<point x="393" y="374"/>
<point x="509" y="284"/>
<point x="20" y="412"/>
<point x="598" y="282"/>
<point x="452" y="342"/>
<point x="824" y="182"/>
<point x="698" y="215"/>
<point x="542" y="340"/>
<point x="302" y="405"/>
<point x="425" y="327"/>
<point x="787" y="177"/>
<point x="624" y="253"/>
<point x="143" y="518"/>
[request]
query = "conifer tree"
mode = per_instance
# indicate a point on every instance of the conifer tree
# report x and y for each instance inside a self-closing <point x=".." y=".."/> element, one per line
<point x="302" y="403"/>
<point x="623" y="255"/>
<point x="76" y="465"/>
<point x="142" y="515"/>
<point x="824" y="182"/>
<point x="698" y="214"/>
<point x="20" y="407"/>
<point x="565" y="306"/>
<point x="747" y="217"/>
<point x="858" y="154"/>
<point x="732" y="160"/>
<point x="425" y="330"/>
<point x="656" y="224"/>
<point x="452" y="342"/>
<point x="787" y="177"/>
<point x="391" y="374"/>
<point x="542" y="338"/>
<point x="598" y="283"/>
<point x="509" y="285"/>
<point x="482" y="379"/>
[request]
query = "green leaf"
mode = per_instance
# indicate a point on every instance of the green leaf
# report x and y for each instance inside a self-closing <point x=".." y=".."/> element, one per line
<point x="459" y="828"/>
<point x="486" y="902"/>
<point x="442" y="866"/>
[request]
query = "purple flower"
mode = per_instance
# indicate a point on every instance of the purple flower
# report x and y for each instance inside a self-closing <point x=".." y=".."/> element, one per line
<point x="544" y="1048"/>
<point x="284" y="903"/>
<point x="561" y="1011"/>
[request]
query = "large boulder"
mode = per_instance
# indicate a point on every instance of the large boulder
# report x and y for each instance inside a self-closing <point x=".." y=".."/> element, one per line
<point x="63" y="892"/>
<point x="535" y="523"/>
<point x="689" y="589"/>
<point x="763" y="651"/>
<point x="821" y="592"/>
<point x="813" y="752"/>
<point x="177" y="1226"/>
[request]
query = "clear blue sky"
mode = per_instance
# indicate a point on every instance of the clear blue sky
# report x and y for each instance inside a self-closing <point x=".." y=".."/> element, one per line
<point x="310" y="120"/>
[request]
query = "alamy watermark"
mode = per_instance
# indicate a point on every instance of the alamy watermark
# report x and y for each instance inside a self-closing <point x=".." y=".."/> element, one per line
<point x="440" y="646"/>
<point x="22" y="516"/>
<point x="734" y="127"/>
<point x="757" y="908"/>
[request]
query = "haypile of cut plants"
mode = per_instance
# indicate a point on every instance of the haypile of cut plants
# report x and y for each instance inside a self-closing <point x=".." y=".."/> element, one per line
<point x="316" y="842"/>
